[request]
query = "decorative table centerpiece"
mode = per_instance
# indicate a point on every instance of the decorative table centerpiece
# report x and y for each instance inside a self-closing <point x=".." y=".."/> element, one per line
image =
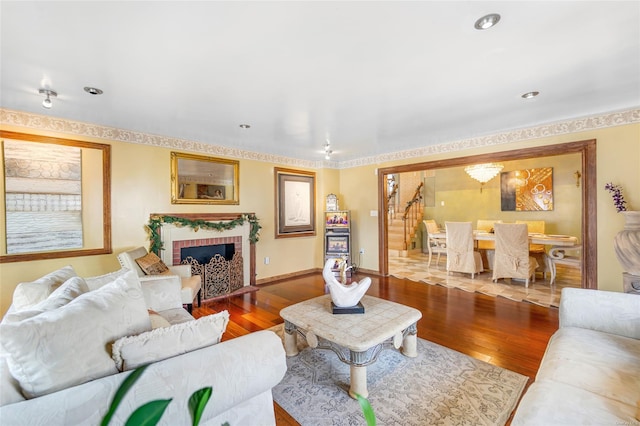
<point x="345" y="297"/>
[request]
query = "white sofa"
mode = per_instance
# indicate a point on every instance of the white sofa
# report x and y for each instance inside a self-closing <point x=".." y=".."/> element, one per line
<point x="241" y="371"/>
<point x="590" y="373"/>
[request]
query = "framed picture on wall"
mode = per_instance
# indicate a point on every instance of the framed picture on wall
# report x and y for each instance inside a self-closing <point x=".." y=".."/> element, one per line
<point x="47" y="213"/>
<point x="527" y="190"/>
<point x="295" y="203"/>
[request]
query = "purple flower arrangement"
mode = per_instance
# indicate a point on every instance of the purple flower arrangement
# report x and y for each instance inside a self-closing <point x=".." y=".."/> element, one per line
<point x="618" y="199"/>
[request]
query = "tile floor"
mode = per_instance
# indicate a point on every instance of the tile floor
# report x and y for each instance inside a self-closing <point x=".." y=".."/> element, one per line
<point x="414" y="267"/>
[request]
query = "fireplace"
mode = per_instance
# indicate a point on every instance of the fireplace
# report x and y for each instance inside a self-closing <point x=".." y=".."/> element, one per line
<point x="224" y="259"/>
<point x="218" y="261"/>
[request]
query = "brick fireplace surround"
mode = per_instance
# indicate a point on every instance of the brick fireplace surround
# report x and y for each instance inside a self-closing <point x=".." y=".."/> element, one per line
<point x="210" y="237"/>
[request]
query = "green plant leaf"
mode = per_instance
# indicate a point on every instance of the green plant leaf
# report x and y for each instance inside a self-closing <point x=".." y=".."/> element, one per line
<point x="121" y="392"/>
<point x="197" y="402"/>
<point x="369" y="416"/>
<point x="148" y="414"/>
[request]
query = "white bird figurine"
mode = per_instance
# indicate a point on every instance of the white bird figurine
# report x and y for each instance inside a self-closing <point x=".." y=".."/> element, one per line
<point x="344" y="296"/>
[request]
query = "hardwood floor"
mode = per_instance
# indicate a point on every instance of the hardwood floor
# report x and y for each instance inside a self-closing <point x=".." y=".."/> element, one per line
<point x="509" y="334"/>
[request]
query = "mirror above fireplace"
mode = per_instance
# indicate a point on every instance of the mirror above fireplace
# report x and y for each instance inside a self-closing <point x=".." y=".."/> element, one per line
<point x="197" y="179"/>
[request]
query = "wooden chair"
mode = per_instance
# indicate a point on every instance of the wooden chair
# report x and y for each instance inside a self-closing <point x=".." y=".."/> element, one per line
<point x="434" y="245"/>
<point x="461" y="257"/>
<point x="571" y="256"/>
<point x="512" y="258"/>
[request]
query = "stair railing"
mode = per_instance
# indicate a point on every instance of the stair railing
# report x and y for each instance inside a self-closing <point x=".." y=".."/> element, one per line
<point x="411" y="214"/>
<point x="391" y="202"/>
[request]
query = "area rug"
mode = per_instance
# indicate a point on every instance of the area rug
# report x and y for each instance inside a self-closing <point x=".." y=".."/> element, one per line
<point x="438" y="387"/>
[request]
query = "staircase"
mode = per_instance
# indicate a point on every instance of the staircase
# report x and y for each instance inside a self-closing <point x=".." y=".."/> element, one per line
<point x="399" y="243"/>
<point x="395" y="236"/>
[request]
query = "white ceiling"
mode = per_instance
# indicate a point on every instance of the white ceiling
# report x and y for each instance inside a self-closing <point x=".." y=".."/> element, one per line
<point x="372" y="77"/>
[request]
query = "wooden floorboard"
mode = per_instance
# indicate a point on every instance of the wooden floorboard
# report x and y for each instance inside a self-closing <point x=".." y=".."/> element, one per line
<point x="511" y="335"/>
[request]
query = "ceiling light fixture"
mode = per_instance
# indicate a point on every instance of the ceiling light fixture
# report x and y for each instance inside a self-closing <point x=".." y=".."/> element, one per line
<point x="483" y="173"/>
<point x="530" y="95"/>
<point x="93" y="90"/>
<point x="327" y="150"/>
<point x="244" y="126"/>
<point x="487" y="21"/>
<point x="46" y="103"/>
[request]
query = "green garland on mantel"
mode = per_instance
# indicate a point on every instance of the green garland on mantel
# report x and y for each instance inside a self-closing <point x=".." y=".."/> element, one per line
<point x="156" y="221"/>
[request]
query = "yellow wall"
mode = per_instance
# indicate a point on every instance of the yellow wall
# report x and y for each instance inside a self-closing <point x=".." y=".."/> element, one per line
<point x="141" y="179"/>
<point x="141" y="186"/>
<point x="463" y="200"/>
<point x="618" y="161"/>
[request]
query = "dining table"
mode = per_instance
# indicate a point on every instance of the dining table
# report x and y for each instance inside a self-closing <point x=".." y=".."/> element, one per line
<point x="554" y="240"/>
<point x="557" y="243"/>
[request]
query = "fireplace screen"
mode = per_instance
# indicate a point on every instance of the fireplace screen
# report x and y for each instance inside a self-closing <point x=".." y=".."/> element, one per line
<point x="219" y="276"/>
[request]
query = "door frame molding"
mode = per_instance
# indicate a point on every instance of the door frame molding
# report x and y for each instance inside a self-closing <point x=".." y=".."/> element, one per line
<point x="587" y="148"/>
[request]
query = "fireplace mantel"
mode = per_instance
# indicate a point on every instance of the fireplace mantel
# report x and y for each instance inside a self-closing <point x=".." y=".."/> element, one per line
<point x="221" y="217"/>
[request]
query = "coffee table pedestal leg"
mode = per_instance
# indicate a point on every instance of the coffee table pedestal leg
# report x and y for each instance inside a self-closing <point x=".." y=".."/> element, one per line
<point x="290" y="339"/>
<point x="358" y="369"/>
<point x="410" y="342"/>
<point x="358" y="382"/>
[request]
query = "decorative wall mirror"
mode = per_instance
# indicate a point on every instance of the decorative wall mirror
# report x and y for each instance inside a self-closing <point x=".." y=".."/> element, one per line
<point x="57" y="198"/>
<point x="197" y="179"/>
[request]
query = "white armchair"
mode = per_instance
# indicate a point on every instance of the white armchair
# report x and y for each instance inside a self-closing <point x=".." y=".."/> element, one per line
<point x="190" y="284"/>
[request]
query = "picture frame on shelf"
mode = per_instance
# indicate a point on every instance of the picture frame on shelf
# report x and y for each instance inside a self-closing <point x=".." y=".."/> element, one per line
<point x="332" y="203"/>
<point x="337" y="244"/>
<point x="295" y="207"/>
<point x="336" y="219"/>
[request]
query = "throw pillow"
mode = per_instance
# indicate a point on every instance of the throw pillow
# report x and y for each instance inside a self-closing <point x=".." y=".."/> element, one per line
<point x="157" y="320"/>
<point x="96" y="282"/>
<point x="151" y="264"/>
<point x="162" y="343"/>
<point x="162" y="293"/>
<point x="64" y="294"/>
<point x="28" y="294"/>
<point x="70" y="345"/>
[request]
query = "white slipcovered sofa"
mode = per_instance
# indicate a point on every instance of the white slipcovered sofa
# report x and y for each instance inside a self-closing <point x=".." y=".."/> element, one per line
<point x="67" y="343"/>
<point x="590" y="373"/>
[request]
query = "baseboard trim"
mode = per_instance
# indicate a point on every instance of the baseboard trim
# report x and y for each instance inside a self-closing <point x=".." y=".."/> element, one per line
<point x="297" y="274"/>
<point x="275" y="278"/>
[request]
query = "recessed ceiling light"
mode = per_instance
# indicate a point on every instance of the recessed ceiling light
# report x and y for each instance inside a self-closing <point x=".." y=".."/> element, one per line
<point x="530" y="95"/>
<point x="487" y="21"/>
<point x="93" y="90"/>
<point x="245" y="126"/>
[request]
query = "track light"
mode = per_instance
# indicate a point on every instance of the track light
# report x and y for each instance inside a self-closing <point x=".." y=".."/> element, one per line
<point x="327" y="150"/>
<point x="46" y="103"/>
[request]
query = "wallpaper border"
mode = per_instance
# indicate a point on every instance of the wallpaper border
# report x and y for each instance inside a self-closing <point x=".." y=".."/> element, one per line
<point x="46" y="123"/>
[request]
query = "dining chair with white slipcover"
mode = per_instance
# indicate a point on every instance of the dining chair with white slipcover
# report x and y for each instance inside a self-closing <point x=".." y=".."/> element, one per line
<point x="537" y="251"/>
<point x="512" y="258"/>
<point x="461" y="257"/>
